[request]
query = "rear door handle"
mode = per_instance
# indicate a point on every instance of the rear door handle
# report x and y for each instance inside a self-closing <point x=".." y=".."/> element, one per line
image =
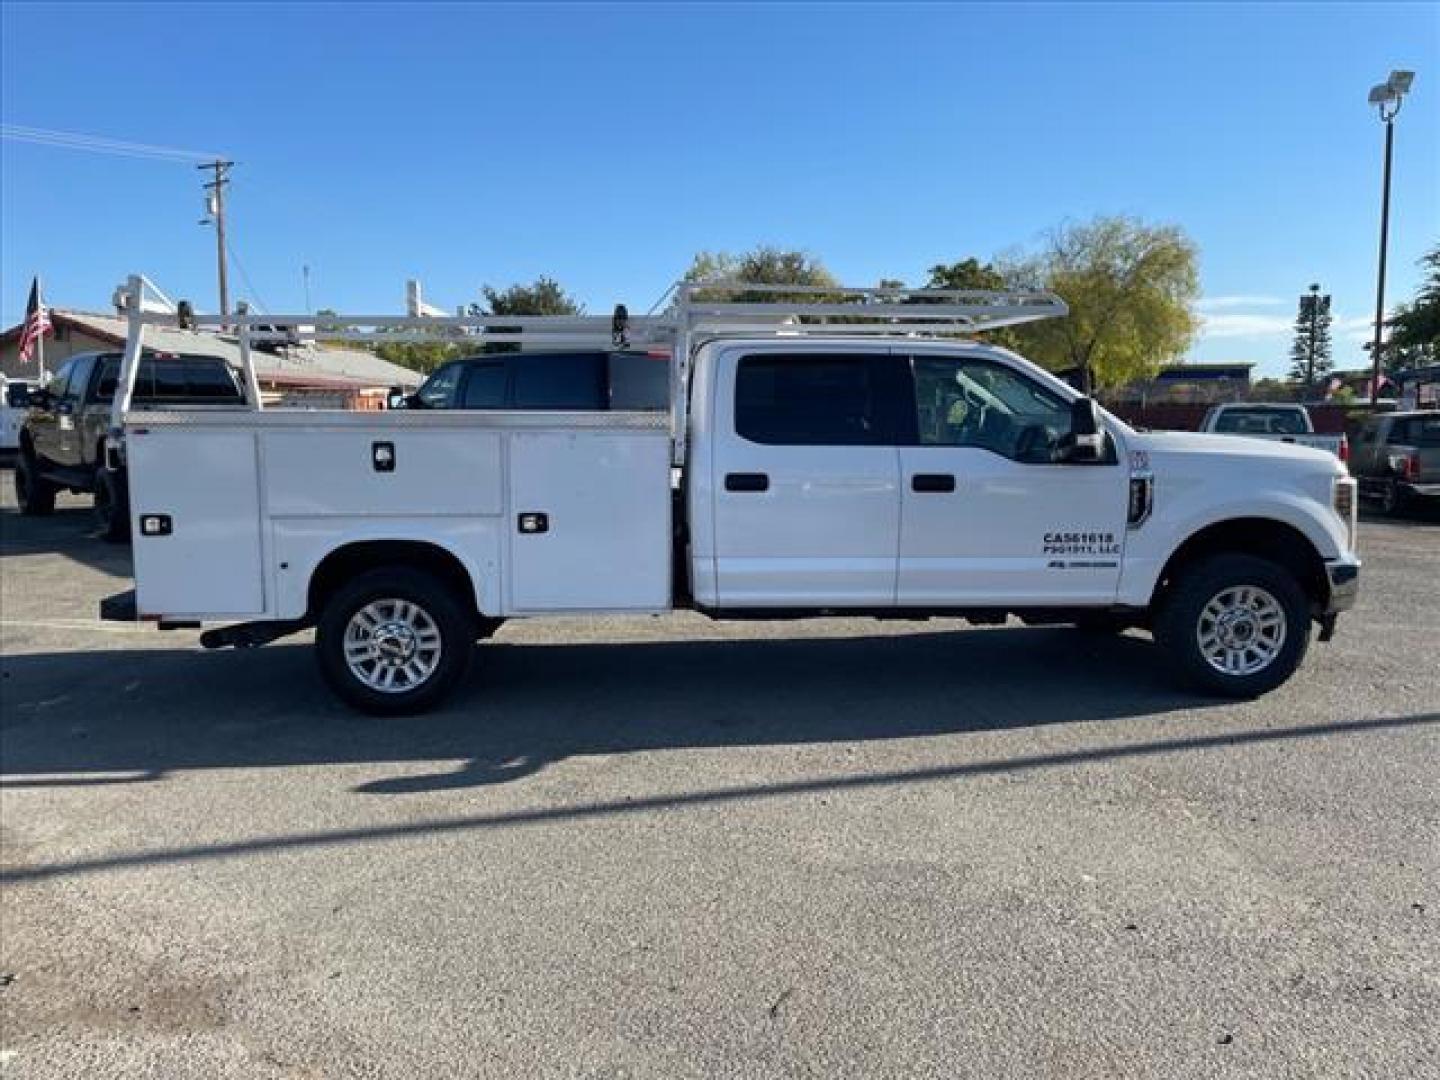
<point x="932" y="482"/>
<point x="747" y="481"/>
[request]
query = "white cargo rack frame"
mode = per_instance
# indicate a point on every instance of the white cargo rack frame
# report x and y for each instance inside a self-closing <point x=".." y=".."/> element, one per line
<point x="696" y="312"/>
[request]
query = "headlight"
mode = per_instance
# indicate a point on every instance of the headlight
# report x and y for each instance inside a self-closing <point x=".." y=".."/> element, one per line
<point x="1343" y="499"/>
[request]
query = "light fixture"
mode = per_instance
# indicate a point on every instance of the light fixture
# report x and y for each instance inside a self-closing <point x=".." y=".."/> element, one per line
<point x="1400" y="81"/>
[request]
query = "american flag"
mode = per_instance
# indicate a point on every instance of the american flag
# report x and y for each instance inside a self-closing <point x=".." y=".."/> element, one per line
<point x="37" y="323"/>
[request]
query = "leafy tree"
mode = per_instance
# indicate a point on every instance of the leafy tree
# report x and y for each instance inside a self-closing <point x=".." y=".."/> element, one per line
<point x="543" y="297"/>
<point x="973" y="274"/>
<point x="1415" y="327"/>
<point x="1310" y="354"/>
<point x="763" y="265"/>
<point x="421" y="356"/>
<point x="1130" y="287"/>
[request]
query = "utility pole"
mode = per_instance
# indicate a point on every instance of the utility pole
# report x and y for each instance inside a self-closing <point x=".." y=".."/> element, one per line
<point x="215" y="206"/>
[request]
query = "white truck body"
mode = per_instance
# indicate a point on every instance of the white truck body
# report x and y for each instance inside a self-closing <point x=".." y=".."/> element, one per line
<point x="1272" y="423"/>
<point x="956" y="489"/>
<point x="257" y="500"/>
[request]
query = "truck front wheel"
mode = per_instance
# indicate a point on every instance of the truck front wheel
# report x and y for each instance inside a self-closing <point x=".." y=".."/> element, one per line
<point x="394" y="641"/>
<point x="34" y="494"/>
<point x="1235" y="625"/>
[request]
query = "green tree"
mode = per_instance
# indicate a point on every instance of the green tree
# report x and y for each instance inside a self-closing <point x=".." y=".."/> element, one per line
<point x="1310" y="352"/>
<point x="1415" y="327"/>
<point x="763" y="265"/>
<point x="421" y="356"/>
<point x="543" y="297"/>
<point x="970" y="274"/>
<point x="1130" y="287"/>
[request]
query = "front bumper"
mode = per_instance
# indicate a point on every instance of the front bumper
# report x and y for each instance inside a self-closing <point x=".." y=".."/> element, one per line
<point x="1344" y="577"/>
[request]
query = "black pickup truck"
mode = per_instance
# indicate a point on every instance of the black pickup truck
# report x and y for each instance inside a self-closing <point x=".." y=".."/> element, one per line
<point x="62" y="441"/>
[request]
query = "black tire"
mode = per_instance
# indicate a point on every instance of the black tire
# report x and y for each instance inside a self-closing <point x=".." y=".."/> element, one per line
<point x="1178" y="625"/>
<point x="384" y="586"/>
<point x="33" y="493"/>
<point x="112" y="506"/>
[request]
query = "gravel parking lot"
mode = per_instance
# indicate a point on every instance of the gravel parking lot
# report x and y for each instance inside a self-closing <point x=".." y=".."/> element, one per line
<point x="674" y="848"/>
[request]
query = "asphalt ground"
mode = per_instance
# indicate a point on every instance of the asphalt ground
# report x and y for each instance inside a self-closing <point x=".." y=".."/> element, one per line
<point x="675" y="848"/>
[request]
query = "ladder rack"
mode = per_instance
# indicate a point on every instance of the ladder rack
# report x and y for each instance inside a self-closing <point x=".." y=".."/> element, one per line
<point x="696" y="312"/>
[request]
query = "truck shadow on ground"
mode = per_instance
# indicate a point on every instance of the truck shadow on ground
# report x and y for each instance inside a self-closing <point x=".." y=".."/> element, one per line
<point x="123" y="716"/>
<point x="70" y="531"/>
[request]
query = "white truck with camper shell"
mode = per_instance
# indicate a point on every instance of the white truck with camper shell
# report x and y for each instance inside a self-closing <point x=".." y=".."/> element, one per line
<point x="829" y="451"/>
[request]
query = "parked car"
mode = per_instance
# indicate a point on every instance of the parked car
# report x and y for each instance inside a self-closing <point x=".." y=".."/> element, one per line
<point x="1397" y="459"/>
<point x="62" y="442"/>
<point x="14" y="401"/>
<point x="580" y="381"/>
<point x="1277" y="422"/>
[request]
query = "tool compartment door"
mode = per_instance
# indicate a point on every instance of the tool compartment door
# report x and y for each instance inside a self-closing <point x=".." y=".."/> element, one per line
<point x="589" y="521"/>
<point x="206" y="483"/>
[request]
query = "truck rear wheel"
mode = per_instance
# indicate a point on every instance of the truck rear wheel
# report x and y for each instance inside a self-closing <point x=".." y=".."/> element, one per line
<point x="34" y="494"/>
<point x="1235" y="625"/>
<point x="394" y="641"/>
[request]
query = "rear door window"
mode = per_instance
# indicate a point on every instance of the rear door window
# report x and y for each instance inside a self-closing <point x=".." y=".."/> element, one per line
<point x="484" y="387"/>
<point x="558" y="380"/>
<point x="810" y="399"/>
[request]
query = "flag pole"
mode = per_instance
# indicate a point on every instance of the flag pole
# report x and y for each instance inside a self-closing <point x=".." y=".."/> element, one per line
<point x="40" y="338"/>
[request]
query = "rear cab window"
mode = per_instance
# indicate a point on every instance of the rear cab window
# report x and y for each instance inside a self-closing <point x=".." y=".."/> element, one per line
<point x="816" y="399"/>
<point x="1420" y="431"/>
<point x="183" y="378"/>
<point x="1242" y="421"/>
<point x="563" y="381"/>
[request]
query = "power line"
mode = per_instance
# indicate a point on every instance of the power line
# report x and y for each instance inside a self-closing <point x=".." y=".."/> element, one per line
<point x="99" y="144"/>
<point x="245" y="276"/>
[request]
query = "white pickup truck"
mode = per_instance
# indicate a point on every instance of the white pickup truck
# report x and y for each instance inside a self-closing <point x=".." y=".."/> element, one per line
<point x="1276" y="422"/>
<point x="878" y="465"/>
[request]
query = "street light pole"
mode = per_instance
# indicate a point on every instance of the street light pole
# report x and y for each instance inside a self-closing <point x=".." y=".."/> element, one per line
<point x="1387" y="97"/>
<point x="1375" y="346"/>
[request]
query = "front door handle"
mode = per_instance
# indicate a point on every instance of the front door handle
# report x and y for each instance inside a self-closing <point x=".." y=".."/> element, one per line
<point x="747" y="481"/>
<point x="932" y="482"/>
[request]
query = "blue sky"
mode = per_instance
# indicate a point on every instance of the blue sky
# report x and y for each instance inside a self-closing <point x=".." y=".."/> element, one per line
<point x="605" y="144"/>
